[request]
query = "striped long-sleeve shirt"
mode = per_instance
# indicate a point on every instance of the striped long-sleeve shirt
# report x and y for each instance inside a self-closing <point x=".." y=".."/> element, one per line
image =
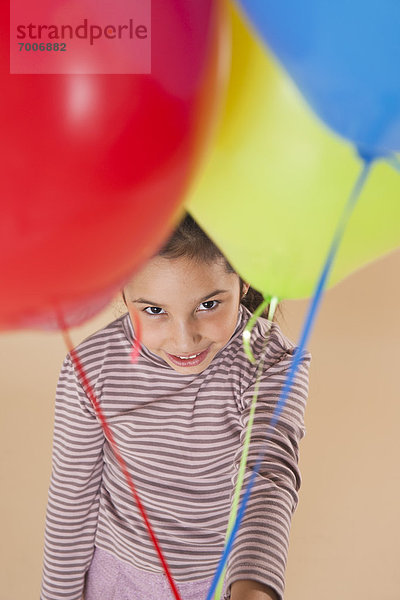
<point x="181" y="437"/>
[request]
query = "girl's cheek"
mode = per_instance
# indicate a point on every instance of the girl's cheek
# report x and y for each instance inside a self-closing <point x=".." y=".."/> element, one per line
<point x="154" y="333"/>
<point x="149" y="334"/>
<point x="218" y="329"/>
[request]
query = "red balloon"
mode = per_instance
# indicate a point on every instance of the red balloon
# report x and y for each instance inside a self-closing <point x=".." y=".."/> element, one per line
<point x="94" y="168"/>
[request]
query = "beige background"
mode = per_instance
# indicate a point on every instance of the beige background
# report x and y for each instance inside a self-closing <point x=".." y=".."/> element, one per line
<point x="345" y="541"/>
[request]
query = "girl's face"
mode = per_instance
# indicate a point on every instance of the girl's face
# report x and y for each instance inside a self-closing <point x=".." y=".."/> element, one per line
<point x="185" y="308"/>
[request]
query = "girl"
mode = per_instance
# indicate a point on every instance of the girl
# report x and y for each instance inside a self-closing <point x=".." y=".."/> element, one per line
<point x="179" y="417"/>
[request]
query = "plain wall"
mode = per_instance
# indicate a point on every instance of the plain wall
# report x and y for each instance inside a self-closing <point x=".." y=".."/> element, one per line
<point x="345" y="539"/>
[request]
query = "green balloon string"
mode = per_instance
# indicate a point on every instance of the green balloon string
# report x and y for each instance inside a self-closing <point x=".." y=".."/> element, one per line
<point x="246" y="443"/>
<point x="272" y="307"/>
<point x="273" y="303"/>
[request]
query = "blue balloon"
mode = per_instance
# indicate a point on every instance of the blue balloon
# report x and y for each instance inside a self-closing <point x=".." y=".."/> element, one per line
<point x="344" y="56"/>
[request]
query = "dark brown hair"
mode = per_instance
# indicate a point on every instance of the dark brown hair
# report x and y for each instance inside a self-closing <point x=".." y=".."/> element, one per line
<point x="191" y="241"/>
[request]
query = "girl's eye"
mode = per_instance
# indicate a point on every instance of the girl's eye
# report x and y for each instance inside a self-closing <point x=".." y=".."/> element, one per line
<point x="154" y="310"/>
<point x="213" y="303"/>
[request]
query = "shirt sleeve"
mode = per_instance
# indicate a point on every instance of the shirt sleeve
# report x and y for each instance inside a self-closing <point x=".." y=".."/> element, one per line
<point x="73" y="499"/>
<point x="261" y="546"/>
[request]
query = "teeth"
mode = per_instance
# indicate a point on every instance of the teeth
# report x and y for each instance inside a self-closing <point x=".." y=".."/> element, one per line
<point x="187" y="357"/>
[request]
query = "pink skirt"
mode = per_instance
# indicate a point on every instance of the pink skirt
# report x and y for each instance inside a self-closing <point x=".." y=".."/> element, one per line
<point x="109" y="578"/>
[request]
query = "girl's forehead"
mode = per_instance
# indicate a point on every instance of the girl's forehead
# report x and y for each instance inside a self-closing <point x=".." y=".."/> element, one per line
<point x="170" y="273"/>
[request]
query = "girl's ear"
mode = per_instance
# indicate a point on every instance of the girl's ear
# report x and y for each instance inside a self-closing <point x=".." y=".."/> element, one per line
<point x="245" y="289"/>
<point x="123" y="297"/>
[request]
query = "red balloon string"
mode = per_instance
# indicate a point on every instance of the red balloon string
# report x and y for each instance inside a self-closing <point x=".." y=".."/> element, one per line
<point x="138" y="337"/>
<point x="108" y="433"/>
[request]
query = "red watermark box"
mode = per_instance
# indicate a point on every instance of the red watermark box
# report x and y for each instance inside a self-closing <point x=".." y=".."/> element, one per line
<point x="80" y="36"/>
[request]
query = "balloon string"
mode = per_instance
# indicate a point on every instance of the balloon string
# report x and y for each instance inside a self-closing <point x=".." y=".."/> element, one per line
<point x="272" y="307"/>
<point x="297" y="357"/>
<point x="248" y="329"/>
<point x="109" y="435"/>
<point x="243" y="462"/>
<point x="138" y="336"/>
<point x="273" y="302"/>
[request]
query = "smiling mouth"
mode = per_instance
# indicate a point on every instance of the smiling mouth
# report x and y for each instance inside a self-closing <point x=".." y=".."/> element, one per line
<point x="187" y="357"/>
<point x="189" y="360"/>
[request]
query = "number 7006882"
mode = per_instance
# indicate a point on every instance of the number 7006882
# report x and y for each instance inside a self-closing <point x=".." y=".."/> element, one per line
<point x="42" y="47"/>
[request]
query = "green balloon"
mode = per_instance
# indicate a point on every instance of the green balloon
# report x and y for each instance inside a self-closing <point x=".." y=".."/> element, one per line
<point x="276" y="181"/>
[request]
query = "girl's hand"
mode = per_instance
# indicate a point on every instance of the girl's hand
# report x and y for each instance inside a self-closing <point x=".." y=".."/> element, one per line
<point x="246" y="589"/>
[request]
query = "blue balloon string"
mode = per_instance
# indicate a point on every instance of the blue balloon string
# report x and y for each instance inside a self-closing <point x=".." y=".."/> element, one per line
<point x="306" y="331"/>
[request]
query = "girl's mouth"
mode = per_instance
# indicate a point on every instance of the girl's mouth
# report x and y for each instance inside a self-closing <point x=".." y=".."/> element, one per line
<point x="190" y="361"/>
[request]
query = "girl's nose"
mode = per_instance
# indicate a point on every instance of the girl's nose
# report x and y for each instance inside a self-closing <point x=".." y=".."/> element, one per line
<point x="186" y="337"/>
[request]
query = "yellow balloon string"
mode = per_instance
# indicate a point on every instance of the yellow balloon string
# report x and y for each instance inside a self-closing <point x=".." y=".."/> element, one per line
<point x="273" y="302"/>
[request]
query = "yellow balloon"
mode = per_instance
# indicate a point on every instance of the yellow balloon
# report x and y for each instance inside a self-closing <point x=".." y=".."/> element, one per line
<point x="276" y="181"/>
